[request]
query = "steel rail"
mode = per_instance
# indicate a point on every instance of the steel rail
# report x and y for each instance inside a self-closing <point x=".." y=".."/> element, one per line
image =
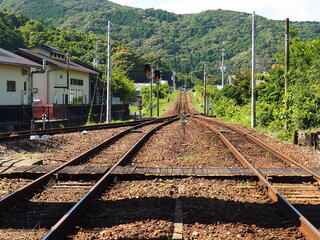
<point x="305" y="227"/>
<point x="60" y="229"/>
<point x="30" y="188"/>
<point x="9" y="136"/>
<point x="267" y="148"/>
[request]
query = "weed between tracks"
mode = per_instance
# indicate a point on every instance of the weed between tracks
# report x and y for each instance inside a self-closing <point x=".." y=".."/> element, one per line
<point x="189" y="158"/>
<point x="245" y="183"/>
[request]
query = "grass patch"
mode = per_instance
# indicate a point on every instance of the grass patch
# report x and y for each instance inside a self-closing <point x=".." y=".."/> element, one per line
<point x="164" y="105"/>
<point x="133" y="108"/>
<point x="188" y="159"/>
<point x="225" y="150"/>
<point x="244" y="183"/>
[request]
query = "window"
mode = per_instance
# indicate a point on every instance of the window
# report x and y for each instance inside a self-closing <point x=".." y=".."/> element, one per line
<point x="24" y="86"/>
<point x="78" y="82"/>
<point x="11" y="86"/>
<point x="76" y="96"/>
<point x="61" y="76"/>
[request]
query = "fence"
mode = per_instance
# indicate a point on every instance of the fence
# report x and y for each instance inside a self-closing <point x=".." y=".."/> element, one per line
<point x="19" y="117"/>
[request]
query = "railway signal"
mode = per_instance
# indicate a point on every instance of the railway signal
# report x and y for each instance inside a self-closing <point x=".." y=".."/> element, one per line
<point x="157" y="75"/>
<point x="147" y="70"/>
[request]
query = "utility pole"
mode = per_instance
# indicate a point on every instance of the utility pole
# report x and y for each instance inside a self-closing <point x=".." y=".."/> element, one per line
<point x="174" y="80"/>
<point x="108" y="104"/>
<point x="222" y="67"/>
<point x="158" y="111"/>
<point x="204" y="90"/>
<point x="157" y="78"/>
<point x="151" y="82"/>
<point x="287" y="53"/>
<point x="253" y="81"/>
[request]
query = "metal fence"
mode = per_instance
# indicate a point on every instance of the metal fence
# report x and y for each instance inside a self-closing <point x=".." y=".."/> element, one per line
<point x="18" y="117"/>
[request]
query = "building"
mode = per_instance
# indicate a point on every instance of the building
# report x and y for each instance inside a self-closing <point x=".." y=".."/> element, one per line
<point x="15" y="78"/>
<point x="139" y="86"/>
<point x="63" y="82"/>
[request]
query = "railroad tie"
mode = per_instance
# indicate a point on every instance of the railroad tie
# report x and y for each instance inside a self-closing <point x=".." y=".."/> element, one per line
<point x="178" y="221"/>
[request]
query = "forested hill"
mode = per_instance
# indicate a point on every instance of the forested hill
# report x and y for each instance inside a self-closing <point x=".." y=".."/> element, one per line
<point x="183" y="41"/>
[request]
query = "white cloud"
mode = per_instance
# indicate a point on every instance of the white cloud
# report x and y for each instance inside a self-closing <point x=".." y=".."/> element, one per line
<point x="296" y="10"/>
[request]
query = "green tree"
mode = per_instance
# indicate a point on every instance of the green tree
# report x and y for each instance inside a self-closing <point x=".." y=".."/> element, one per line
<point x="242" y="80"/>
<point x="122" y="86"/>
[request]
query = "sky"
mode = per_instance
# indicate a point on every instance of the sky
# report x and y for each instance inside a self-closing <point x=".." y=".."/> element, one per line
<point x="295" y="10"/>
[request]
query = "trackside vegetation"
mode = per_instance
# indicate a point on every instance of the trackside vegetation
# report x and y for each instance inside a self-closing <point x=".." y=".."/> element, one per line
<point x="277" y="112"/>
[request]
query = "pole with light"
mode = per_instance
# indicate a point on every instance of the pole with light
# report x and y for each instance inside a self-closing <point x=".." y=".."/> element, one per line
<point x="149" y="73"/>
<point x="157" y="75"/>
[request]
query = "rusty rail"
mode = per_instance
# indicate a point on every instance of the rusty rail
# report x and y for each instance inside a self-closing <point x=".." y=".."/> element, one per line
<point x="61" y="228"/>
<point x="266" y="147"/>
<point x="30" y="188"/>
<point x="9" y="136"/>
<point x="305" y="227"/>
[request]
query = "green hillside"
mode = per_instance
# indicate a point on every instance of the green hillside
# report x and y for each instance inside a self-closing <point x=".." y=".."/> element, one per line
<point x="10" y="36"/>
<point x="19" y="31"/>
<point x="183" y="41"/>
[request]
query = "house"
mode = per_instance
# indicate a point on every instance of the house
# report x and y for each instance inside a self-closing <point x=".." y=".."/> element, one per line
<point x="15" y="78"/>
<point x="64" y="81"/>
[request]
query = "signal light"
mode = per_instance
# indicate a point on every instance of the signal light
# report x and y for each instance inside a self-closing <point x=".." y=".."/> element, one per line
<point x="147" y="69"/>
<point x="157" y="75"/>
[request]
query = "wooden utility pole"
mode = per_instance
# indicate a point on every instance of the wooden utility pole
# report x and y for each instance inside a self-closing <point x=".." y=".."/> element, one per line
<point x="204" y="90"/>
<point x="287" y="53"/>
<point x="253" y="81"/>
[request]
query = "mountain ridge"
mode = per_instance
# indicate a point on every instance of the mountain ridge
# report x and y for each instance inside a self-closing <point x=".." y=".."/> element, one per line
<point x="184" y="41"/>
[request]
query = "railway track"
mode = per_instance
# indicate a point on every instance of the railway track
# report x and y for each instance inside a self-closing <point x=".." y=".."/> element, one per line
<point x="29" y="211"/>
<point x="301" y="201"/>
<point x="119" y="206"/>
<point x="10" y="136"/>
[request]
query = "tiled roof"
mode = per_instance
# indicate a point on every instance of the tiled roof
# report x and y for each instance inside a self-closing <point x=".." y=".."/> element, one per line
<point x="9" y="58"/>
<point x="48" y="48"/>
<point x="37" y="57"/>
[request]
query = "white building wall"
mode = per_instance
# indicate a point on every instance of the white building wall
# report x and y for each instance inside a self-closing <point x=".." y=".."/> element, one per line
<point x="13" y="73"/>
<point x="84" y="88"/>
<point x="52" y="86"/>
